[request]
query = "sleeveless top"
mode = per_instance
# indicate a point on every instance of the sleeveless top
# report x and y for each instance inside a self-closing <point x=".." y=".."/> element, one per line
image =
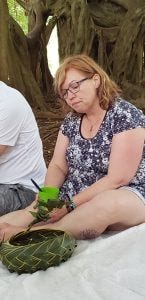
<point x="88" y="158"/>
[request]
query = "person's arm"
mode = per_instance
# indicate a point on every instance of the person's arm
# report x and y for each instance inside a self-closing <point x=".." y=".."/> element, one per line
<point x="126" y="154"/>
<point x="57" y="169"/>
<point x="16" y="221"/>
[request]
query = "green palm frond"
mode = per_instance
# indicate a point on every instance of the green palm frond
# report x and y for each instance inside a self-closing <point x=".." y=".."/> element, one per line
<point x="43" y="210"/>
<point x="30" y="251"/>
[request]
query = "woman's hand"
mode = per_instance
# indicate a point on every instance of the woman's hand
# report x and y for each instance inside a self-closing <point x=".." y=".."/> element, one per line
<point x="8" y="230"/>
<point x="57" y="214"/>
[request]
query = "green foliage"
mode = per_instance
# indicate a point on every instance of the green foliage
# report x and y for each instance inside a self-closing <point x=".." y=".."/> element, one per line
<point x="18" y="13"/>
<point x="44" y="209"/>
<point x="30" y="251"/>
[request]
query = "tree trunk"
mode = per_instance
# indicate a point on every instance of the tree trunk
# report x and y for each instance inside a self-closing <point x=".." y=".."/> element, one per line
<point x="16" y="59"/>
<point x="112" y="32"/>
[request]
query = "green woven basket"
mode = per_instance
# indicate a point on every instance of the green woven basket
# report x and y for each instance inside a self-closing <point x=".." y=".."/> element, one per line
<point x="30" y="251"/>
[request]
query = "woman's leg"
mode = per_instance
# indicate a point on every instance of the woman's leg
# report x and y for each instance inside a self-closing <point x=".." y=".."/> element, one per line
<point x="117" y="208"/>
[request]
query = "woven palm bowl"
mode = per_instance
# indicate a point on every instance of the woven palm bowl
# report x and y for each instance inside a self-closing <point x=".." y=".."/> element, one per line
<point x="30" y="251"/>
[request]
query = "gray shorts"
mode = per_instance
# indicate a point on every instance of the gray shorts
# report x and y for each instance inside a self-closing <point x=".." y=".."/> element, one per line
<point x="14" y="197"/>
<point x="136" y="192"/>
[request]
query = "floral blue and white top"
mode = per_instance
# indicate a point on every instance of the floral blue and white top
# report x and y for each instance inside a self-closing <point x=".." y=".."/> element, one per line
<point x="88" y="159"/>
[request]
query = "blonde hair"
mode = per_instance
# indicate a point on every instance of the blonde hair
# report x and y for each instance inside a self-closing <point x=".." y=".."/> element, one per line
<point x="107" y="90"/>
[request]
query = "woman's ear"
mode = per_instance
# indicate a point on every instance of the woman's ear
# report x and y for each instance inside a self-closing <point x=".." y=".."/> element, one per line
<point x="96" y="79"/>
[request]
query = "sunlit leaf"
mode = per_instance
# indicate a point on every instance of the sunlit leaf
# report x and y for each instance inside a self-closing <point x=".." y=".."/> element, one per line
<point x="18" y="13"/>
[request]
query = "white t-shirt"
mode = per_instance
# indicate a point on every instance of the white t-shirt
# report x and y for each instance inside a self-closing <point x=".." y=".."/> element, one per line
<point x="23" y="158"/>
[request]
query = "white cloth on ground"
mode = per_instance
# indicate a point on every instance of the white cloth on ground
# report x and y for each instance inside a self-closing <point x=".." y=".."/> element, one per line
<point x="108" y="268"/>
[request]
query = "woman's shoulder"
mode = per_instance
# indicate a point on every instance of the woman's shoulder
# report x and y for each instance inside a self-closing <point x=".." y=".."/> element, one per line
<point x="71" y="119"/>
<point x="69" y="123"/>
<point x="121" y="105"/>
<point x="125" y="116"/>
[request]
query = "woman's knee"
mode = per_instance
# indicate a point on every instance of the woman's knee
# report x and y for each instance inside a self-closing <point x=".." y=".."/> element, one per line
<point x="111" y="205"/>
<point x="122" y="205"/>
<point x="107" y="201"/>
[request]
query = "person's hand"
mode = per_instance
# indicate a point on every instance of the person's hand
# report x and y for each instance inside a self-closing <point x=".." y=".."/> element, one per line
<point x="8" y="230"/>
<point x="57" y="214"/>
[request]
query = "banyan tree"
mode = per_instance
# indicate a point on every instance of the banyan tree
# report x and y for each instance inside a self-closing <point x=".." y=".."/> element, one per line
<point x="111" y="31"/>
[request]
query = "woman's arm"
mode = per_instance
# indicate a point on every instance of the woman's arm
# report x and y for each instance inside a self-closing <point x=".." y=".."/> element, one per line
<point x="126" y="154"/>
<point x="16" y="221"/>
<point x="57" y="169"/>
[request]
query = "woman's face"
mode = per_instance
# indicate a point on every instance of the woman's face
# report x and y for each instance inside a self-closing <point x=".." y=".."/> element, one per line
<point x="80" y="91"/>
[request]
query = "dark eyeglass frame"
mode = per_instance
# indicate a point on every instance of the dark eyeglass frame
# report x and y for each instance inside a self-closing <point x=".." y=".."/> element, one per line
<point x="64" y="92"/>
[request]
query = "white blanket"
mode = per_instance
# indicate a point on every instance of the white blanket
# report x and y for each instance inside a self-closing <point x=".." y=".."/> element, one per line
<point x="112" y="267"/>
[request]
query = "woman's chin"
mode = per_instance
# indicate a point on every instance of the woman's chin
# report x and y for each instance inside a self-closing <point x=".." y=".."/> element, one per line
<point x="79" y="110"/>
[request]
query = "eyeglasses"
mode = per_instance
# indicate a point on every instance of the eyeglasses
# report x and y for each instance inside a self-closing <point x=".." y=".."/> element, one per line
<point x="73" y="87"/>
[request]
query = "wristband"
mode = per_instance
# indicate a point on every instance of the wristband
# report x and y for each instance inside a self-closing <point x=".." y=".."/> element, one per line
<point x="70" y="205"/>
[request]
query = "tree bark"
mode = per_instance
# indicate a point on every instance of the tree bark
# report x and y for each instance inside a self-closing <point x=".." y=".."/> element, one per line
<point x="112" y="32"/>
<point x="15" y="59"/>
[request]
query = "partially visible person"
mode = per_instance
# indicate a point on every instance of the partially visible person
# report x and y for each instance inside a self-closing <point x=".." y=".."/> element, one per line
<point x="21" y="153"/>
<point x="99" y="157"/>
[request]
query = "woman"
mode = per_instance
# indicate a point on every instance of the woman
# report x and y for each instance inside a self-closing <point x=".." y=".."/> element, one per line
<point x="99" y="157"/>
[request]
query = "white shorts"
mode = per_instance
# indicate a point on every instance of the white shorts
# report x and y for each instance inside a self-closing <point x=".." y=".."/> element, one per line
<point x="134" y="191"/>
